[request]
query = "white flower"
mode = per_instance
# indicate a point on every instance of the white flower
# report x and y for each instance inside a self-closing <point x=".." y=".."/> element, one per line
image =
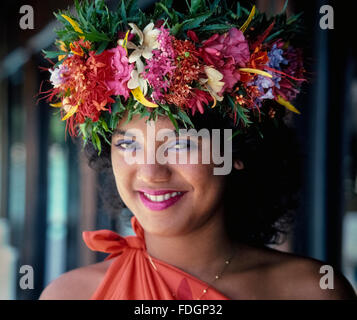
<point x="58" y="75"/>
<point x="148" y="42"/>
<point x="213" y="82"/>
<point x="136" y="78"/>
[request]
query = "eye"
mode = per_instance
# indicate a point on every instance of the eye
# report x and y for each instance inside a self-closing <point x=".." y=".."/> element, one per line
<point x="126" y="145"/>
<point x="183" y="144"/>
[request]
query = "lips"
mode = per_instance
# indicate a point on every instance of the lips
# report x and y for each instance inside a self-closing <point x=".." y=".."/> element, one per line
<point x="160" y="199"/>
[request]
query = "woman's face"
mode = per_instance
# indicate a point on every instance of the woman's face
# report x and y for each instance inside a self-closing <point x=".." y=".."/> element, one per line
<point x="167" y="199"/>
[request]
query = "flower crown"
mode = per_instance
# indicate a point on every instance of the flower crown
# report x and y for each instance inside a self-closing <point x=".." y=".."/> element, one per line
<point x="172" y="63"/>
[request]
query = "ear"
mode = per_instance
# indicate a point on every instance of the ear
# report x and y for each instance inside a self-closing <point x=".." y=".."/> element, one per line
<point x="238" y="164"/>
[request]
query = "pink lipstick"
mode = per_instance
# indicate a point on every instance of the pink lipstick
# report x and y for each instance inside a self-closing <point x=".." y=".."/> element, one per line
<point x="162" y="204"/>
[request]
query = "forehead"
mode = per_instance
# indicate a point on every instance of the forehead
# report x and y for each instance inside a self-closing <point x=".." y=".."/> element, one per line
<point x="139" y="123"/>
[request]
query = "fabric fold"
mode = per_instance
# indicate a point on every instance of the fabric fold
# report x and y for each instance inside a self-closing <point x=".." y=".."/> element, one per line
<point x="132" y="276"/>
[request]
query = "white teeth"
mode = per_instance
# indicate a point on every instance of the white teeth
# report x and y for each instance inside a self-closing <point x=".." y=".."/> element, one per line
<point x="161" y="197"/>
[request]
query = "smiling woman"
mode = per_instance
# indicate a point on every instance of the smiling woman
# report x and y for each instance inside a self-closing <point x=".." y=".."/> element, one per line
<point x="198" y="235"/>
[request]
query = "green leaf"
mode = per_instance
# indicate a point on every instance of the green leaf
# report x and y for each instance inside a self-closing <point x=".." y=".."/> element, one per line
<point x="133" y="8"/>
<point x="294" y="18"/>
<point x="54" y="54"/>
<point x="123" y="12"/>
<point x="239" y="10"/>
<point x="171" y="117"/>
<point x="196" y="22"/>
<point x="105" y="126"/>
<point x="96" y="141"/>
<point x="163" y="7"/>
<point x="176" y="29"/>
<point x="195" y="6"/>
<point x="216" y="27"/>
<point x="102" y="47"/>
<point x="235" y="134"/>
<point x="214" y="5"/>
<point x="96" y="36"/>
<point x="186" y="119"/>
<point x="285" y="6"/>
<point x="272" y="36"/>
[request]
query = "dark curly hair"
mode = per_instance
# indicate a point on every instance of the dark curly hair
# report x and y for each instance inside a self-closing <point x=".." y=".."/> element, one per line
<point x="260" y="200"/>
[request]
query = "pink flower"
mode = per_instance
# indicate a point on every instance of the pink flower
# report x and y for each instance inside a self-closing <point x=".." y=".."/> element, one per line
<point x="120" y="72"/>
<point x="227" y="53"/>
<point x="231" y="75"/>
<point x="161" y="66"/>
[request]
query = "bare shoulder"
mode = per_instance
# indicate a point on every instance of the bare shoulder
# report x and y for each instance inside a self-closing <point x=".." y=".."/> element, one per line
<point x="77" y="284"/>
<point x="289" y="276"/>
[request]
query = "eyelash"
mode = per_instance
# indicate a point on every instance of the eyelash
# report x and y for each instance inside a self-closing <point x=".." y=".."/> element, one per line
<point x="186" y="143"/>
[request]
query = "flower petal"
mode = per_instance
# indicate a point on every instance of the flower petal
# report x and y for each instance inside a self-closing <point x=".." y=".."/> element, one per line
<point x="138" y="32"/>
<point x="133" y="83"/>
<point x="140" y="66"/>
<point x="213" y="74"/>
<point x="130" y="45"/>
<point x="135" y="55"/>
<point x="147" y="53"/>
<point x="148" y="28"/>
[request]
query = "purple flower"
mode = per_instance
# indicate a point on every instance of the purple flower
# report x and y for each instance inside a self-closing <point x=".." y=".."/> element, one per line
<point x="276" y="58"/>
<point x="265" y="85"/>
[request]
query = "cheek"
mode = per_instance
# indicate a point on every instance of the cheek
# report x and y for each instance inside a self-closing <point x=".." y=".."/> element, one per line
<point x="206" y="185"/>
<point x="122" y="173"/>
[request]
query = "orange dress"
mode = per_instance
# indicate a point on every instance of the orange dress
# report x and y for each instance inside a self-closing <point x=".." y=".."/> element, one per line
<point x="133" y="276"/>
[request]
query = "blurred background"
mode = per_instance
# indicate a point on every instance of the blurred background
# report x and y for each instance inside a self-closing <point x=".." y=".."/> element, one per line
<point x="48" y="195"/>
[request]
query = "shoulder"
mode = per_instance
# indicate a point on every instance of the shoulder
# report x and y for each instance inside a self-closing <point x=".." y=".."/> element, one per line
<point x="269" y="274"/>
<point x="296" y="277"/>
<point x="77" y="284"/>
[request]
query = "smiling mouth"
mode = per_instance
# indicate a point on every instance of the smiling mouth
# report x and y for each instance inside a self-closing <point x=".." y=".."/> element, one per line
<point x="161" y="197"/>
<point x="160" y="201"/>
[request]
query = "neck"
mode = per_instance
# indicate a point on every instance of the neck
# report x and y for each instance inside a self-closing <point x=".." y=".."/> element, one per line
<point x="201" y="253"/>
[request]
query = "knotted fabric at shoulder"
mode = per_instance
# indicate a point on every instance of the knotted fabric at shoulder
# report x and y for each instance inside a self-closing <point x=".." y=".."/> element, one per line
<point x="113" y="243"/>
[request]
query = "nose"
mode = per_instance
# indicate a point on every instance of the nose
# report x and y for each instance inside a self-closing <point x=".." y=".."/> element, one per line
<point x="153" y="173"/>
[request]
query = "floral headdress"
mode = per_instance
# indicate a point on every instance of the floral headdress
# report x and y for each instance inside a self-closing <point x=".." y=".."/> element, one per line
<point x="172" y="63"/>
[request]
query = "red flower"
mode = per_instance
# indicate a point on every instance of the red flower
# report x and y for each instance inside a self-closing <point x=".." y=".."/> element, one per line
<point x="193" y="36"/>
<point x="76" y="47"/>
<point x="188" y="69"/>
<point x="198" y="98"/>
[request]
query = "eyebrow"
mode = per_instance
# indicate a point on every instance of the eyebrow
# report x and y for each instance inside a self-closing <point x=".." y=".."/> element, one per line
<point x="129" y="134"/>
<point x="122" y="132"/>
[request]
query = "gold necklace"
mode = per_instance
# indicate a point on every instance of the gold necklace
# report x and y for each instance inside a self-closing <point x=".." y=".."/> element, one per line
<point x="218" y="276"/>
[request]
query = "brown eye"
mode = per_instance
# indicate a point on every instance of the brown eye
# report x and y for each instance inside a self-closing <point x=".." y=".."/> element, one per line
<point x="181" y="145"/>
<point x="126" y="145"/>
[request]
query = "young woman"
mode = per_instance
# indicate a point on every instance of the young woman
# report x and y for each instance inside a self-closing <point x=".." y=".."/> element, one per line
<point x="184" y="244"/>
<point x="199" y="235"/>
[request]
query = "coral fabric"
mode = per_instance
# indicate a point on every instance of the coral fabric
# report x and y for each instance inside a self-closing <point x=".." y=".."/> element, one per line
<point x="132" y="276"/>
